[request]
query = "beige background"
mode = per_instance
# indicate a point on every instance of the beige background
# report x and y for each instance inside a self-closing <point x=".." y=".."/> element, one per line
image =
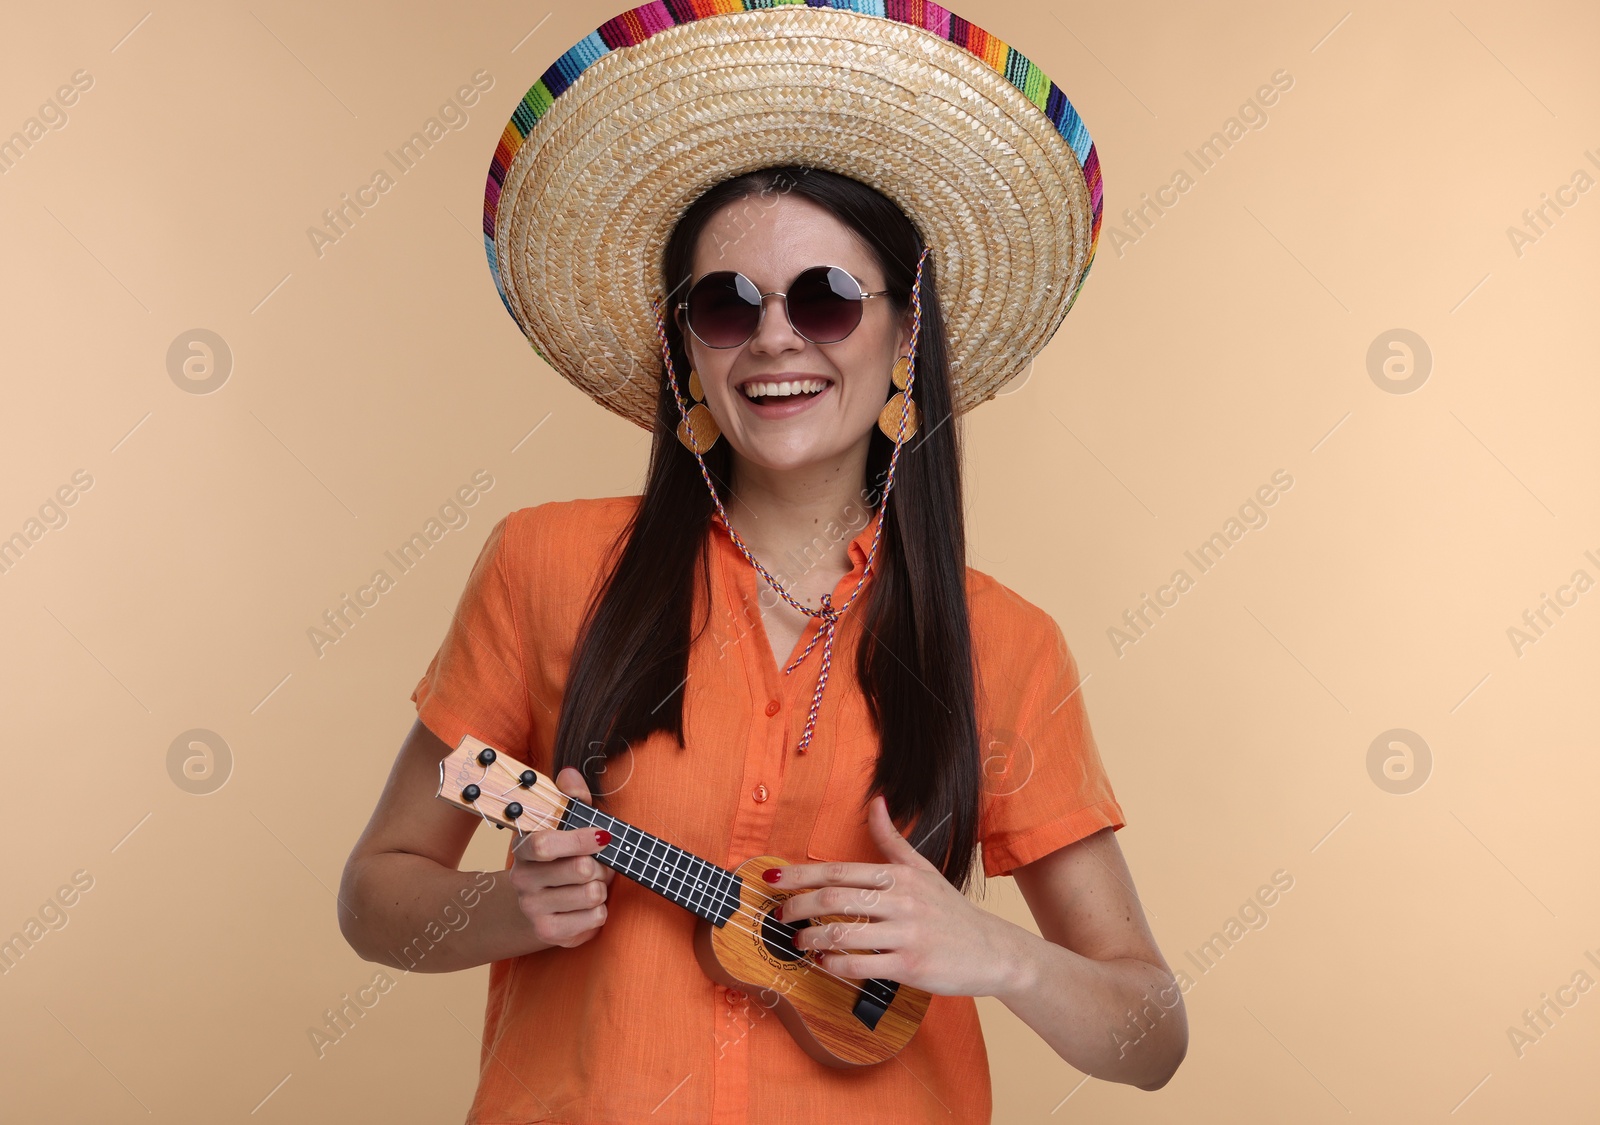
<point x="1228" y="342"/>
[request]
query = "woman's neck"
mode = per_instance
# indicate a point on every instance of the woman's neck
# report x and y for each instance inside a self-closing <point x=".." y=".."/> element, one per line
<point x="786" y="513"/>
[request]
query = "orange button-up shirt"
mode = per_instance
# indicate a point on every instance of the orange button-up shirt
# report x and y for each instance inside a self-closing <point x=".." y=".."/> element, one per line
<point x="626" y="1027"/>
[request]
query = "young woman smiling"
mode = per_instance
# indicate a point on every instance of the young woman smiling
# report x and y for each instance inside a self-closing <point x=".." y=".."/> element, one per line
<point x="889" y="718"/>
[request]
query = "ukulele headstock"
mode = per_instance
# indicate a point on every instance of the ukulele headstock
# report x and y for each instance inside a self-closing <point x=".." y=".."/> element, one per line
<point x="480" y="779"/>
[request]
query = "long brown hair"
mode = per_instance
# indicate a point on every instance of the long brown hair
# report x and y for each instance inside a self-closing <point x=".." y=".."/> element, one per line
<point x="915" y="660"/>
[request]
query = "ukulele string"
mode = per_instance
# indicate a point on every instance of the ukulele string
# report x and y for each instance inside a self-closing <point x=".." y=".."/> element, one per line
<point x="740" y="911"/>
<point x="809" y="956"/>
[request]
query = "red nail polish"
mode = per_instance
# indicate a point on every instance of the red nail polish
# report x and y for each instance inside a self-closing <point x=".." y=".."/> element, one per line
<point x="778" y="912"/>
<point x="602" y="837"/>
<point x="771" y="874"/>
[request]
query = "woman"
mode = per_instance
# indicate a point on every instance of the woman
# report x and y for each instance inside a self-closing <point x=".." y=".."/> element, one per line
<point x="776" y="649"/>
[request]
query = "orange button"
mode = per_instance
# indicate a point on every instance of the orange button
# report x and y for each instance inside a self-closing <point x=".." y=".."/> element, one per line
<point x="760" y="793"/>
<point x="734" y="996"/>
<point x="773" y="707"/>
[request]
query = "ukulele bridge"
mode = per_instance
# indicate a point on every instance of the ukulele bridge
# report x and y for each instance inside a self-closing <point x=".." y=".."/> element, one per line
<point x="875" y="998"/>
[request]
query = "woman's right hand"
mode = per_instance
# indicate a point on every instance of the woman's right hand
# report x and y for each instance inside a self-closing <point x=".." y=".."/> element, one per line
<point x="561" y="889"/>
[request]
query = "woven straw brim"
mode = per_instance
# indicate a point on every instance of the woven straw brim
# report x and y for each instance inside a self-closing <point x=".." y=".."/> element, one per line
<point x="589" y="199"/>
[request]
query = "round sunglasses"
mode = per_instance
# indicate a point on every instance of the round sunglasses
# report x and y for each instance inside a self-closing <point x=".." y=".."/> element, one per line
<point x="724" y="309"/>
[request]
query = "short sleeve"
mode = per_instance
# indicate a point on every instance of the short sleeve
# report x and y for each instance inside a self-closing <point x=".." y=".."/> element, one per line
<point x="1044" y="784"/>
<point x="476" y="683"/>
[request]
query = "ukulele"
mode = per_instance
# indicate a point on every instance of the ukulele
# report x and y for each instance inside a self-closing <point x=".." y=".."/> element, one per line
<point x="838" y="1021"/>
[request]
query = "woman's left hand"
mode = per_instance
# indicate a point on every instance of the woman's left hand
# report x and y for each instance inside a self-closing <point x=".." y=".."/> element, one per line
<point x="928" y="934"/>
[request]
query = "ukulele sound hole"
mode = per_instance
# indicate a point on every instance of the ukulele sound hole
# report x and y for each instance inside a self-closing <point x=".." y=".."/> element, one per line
<point x="778" y="937"/>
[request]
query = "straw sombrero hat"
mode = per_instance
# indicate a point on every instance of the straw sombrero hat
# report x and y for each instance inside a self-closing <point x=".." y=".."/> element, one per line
<point x="983" y="153"/>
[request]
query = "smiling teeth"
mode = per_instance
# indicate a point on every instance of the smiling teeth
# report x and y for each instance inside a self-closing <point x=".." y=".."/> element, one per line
<point x="778" y="390"/>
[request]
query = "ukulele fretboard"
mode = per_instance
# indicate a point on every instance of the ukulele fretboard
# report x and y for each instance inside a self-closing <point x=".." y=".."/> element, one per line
<point x="709" y="891"/>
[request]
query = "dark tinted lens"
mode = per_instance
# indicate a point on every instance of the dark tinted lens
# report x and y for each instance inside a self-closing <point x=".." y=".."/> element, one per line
<point x="724" y="308"/>
<point x="824" y="304"/>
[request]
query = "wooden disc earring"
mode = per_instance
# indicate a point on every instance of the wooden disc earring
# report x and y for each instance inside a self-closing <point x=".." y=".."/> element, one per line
<point x="706" y="430"/>
<point x="901" y="372"/>
<point x="889" y="416"/>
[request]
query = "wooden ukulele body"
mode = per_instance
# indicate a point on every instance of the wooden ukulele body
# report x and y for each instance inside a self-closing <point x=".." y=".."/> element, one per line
<point x="824" y="1013"/>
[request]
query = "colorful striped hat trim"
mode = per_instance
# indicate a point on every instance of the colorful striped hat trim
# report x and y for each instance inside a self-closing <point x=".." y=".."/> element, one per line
<point x="638" y="24"/>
